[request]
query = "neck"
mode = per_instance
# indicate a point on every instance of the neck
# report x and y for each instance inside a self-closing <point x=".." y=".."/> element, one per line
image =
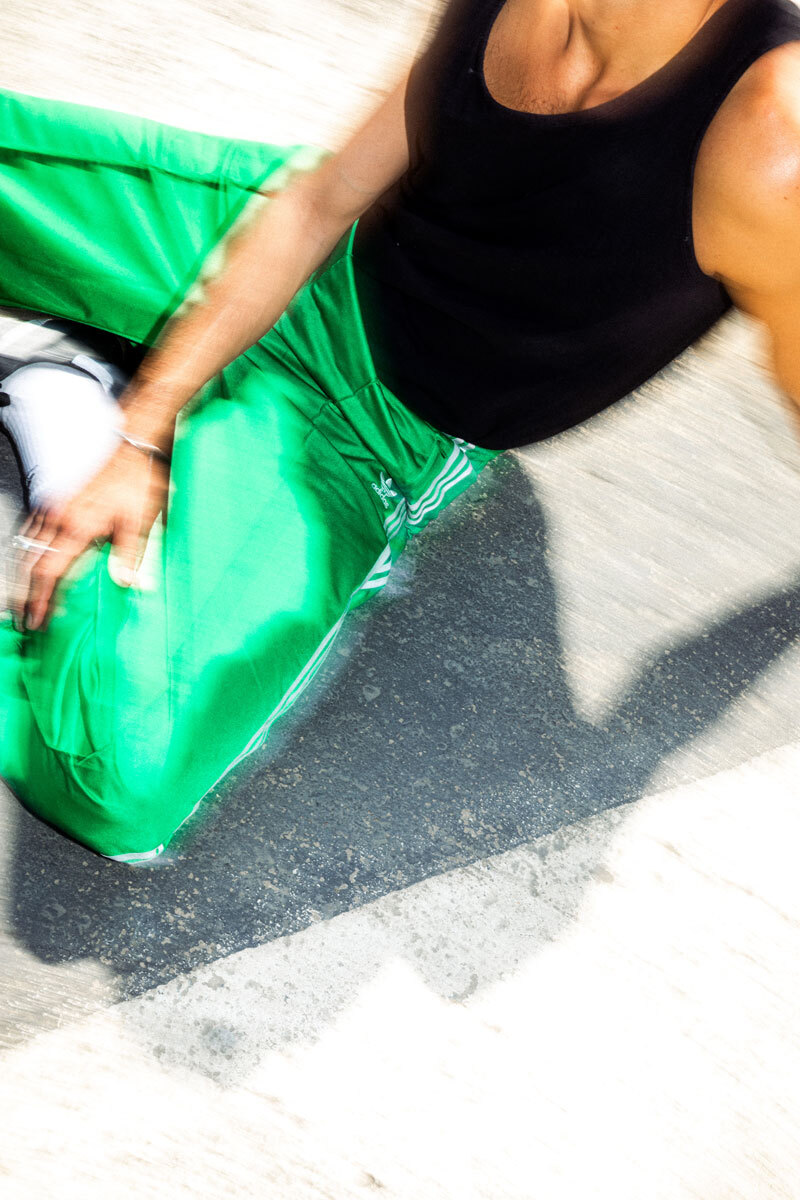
<point x="626" y="33"/>
<point x="564" y="55"/>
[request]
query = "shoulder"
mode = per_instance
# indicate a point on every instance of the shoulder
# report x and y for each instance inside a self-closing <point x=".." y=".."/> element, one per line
<point x="747" y="179"/>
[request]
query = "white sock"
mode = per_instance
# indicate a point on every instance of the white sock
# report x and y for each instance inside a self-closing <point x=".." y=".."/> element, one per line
<point x="62" y="423"/>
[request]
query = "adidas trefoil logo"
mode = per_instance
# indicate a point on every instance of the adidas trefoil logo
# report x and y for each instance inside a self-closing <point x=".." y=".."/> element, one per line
<point x="385" y="489"/>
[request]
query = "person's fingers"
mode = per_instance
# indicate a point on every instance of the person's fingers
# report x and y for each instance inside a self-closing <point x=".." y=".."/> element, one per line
<point x="126" y="542"/>
<point x="54" y="537"/>
<point x="48" y="570"/>
<point x="33" y="524"/>
<point x="17" y="574"/>
<point x="42" y="526"/>
<point x="159" y="506"/>
<point x="25" y="550"/>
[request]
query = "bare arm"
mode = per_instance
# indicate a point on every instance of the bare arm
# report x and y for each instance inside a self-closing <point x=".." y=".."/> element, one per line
<point x="266" y="261"/>
<point x="265" y="265"/>
<point x="747" y="206"/>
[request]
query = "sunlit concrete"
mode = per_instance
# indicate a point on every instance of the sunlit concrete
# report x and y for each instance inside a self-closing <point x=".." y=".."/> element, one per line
<point x="641" y="1038"/>
<point x="609" y="1010"/>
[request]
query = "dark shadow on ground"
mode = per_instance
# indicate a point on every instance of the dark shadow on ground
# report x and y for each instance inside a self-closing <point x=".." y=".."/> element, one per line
<point x="443" y="731"/>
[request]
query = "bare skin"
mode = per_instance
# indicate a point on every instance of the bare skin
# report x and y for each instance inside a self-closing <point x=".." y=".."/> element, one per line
<point x="557" y="56"/>
<point x="293" y="235"/>
<point x="545" y="56"/>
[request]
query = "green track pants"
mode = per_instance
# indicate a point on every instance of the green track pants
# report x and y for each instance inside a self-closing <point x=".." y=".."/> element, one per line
<point x="297" y="478"/>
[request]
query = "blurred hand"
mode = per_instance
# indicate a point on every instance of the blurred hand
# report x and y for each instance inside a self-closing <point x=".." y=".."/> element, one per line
<point x="119" y="505"/>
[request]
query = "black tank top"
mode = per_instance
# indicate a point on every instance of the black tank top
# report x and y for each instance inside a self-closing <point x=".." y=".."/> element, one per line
<point x="528" y="270"/>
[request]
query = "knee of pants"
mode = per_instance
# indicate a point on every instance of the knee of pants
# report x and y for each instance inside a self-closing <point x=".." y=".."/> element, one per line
<point x="116" y="801"/>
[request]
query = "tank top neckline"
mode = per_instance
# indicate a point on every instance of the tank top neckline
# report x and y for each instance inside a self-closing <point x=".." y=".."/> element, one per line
<point x="635" y="99"/>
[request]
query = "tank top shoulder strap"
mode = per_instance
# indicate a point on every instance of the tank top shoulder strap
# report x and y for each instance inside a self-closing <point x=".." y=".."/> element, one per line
<point x="738" y="34"/>
<point x="747" y="30"/>
<point x="444" y="63"/>
<point x="779" y="22"/>
<point x="458" y="26"/>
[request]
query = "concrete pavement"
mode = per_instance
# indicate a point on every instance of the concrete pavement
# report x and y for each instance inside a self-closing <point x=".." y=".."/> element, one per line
<point x="509" y="906"/>
<point x="609" y="1012"/>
